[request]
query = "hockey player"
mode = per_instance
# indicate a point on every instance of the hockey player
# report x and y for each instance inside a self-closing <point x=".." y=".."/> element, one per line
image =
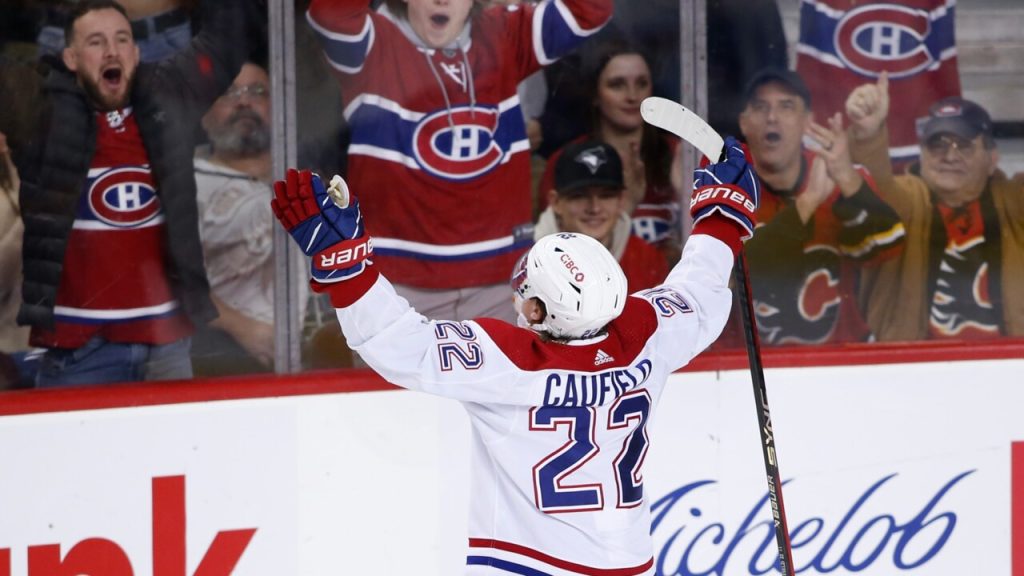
<point x="559" y="406"/>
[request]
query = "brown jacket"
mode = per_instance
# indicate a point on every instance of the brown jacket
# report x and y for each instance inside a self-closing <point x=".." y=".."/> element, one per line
<point x="12" y="337"/>
<point x="896" y="291"/>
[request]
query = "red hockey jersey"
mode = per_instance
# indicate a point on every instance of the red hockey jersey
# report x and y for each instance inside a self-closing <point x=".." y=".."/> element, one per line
<point x="114" y="282"/>
<point x="438" y="146"/>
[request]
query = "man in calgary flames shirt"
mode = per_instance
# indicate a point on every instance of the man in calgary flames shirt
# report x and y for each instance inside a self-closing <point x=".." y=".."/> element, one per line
<point x="961" y="273"/>
<point x="588" y="363"/>
<point x="821" y="221"/>
<point x="438" y="148"/>
<point x="114" y="278"/>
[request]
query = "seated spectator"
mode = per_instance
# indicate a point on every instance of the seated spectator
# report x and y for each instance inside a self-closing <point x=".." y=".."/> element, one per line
<point x="960" y="276"/>
<point x="820" y="218"/>
<point x="588" y="198"/>
<point x="619" y="78"/>
<point x="235" y="227"/>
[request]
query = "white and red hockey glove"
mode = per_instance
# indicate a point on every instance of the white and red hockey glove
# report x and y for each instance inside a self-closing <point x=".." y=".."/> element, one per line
<point x="725" y="197"/>
<point x="328" y="226"/>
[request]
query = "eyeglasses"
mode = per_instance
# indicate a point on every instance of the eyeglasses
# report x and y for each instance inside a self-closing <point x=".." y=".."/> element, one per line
<point x="250" y="90"/>
<point x="941" y="145"/>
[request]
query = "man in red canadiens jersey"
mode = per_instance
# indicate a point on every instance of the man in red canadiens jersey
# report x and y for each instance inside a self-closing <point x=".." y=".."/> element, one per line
<point x="113" y="270"/>
<point x="559" y="404"/>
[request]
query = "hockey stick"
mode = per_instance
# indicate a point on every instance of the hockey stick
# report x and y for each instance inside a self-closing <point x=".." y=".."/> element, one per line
<point x="678" y="120"/>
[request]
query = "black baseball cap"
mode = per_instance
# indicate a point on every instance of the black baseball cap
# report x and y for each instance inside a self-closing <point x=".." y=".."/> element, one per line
<point x="587" y="164"/>
<point x="957" y="116"/>
<point x="784" y="76"/>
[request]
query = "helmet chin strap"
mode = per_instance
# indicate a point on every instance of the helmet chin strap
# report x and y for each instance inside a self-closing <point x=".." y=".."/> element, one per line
<point x="523" y="322"/>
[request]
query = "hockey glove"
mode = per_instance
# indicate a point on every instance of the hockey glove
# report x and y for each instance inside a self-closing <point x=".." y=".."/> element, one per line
<point x="727" y="189"/>
<point x="326" y="224"/>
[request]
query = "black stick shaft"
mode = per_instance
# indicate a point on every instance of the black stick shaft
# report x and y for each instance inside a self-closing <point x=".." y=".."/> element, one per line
<point x="764" y="417"/>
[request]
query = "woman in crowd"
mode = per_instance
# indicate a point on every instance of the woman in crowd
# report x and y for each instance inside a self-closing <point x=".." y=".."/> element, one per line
<point x="618" y="77"/>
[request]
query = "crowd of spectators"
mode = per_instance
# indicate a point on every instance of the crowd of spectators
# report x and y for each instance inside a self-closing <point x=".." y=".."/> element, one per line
<point x="136" y="233"/>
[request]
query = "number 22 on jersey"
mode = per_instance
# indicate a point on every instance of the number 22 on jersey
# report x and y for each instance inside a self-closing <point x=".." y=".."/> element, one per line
<point x="552" y="489"/>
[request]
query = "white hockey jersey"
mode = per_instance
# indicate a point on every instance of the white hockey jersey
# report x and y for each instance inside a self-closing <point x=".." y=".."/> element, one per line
<point x="559" y="429"/>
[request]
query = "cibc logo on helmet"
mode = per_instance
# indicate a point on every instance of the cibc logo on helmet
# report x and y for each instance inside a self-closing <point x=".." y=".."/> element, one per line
<point x="573" y="269"/>
<point x="579" y="282"/>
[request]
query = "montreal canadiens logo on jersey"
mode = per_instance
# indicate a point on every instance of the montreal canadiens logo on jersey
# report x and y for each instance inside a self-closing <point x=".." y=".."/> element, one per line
<point x="124" y="197"/>
<point x="458" y="144"/>
<point x="878" y="37"/>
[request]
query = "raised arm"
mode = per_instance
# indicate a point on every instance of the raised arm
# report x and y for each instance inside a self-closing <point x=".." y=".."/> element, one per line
<point x="439" y="357"/>
<point x="867" y="108"/>
<point x="724" y="199"/>
<point x="345" y="30"/>
<point x="561" y="25"/>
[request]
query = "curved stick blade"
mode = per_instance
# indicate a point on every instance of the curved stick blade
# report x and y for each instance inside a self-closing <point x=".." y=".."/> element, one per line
<point x="679" y="120"/>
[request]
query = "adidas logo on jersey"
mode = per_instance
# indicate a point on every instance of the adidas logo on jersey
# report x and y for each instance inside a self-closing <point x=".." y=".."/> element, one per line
<point x="602" y="358"/>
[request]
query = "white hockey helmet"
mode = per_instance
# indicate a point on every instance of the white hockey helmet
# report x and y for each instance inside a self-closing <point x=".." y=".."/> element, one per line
<point x="578" y="280"/>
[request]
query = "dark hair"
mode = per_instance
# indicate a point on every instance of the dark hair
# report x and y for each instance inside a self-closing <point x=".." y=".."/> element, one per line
<point x="656" y="152"/>
<point x="84" y="7"/>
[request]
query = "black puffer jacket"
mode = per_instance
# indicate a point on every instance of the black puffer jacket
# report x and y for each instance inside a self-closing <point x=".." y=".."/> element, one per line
<point x="168" y="100"/>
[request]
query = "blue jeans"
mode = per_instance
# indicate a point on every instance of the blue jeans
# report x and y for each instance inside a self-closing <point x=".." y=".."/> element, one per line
<point x="164" y="44"/>
<point x="154" y="46"/>
<point x="102" y="362"/>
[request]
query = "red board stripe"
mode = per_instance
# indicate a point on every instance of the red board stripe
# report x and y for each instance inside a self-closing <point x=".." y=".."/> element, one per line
<point x="365" y="380"/>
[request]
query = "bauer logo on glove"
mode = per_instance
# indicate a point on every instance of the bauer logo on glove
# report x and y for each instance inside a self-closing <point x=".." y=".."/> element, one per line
<point x="728" y="189"/>
<point x="345" y="254"/>
<point x="720" y="193"/>
<point x="326" y="224"/>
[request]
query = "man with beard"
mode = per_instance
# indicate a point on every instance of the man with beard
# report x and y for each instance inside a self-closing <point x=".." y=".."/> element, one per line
<point x="113" y="277"/>
<point x="235" y="226"/>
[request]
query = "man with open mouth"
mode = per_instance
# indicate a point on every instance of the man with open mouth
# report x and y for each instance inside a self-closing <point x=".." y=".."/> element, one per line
<point x="114" y="281"/>
<point x="821" y="220"/>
